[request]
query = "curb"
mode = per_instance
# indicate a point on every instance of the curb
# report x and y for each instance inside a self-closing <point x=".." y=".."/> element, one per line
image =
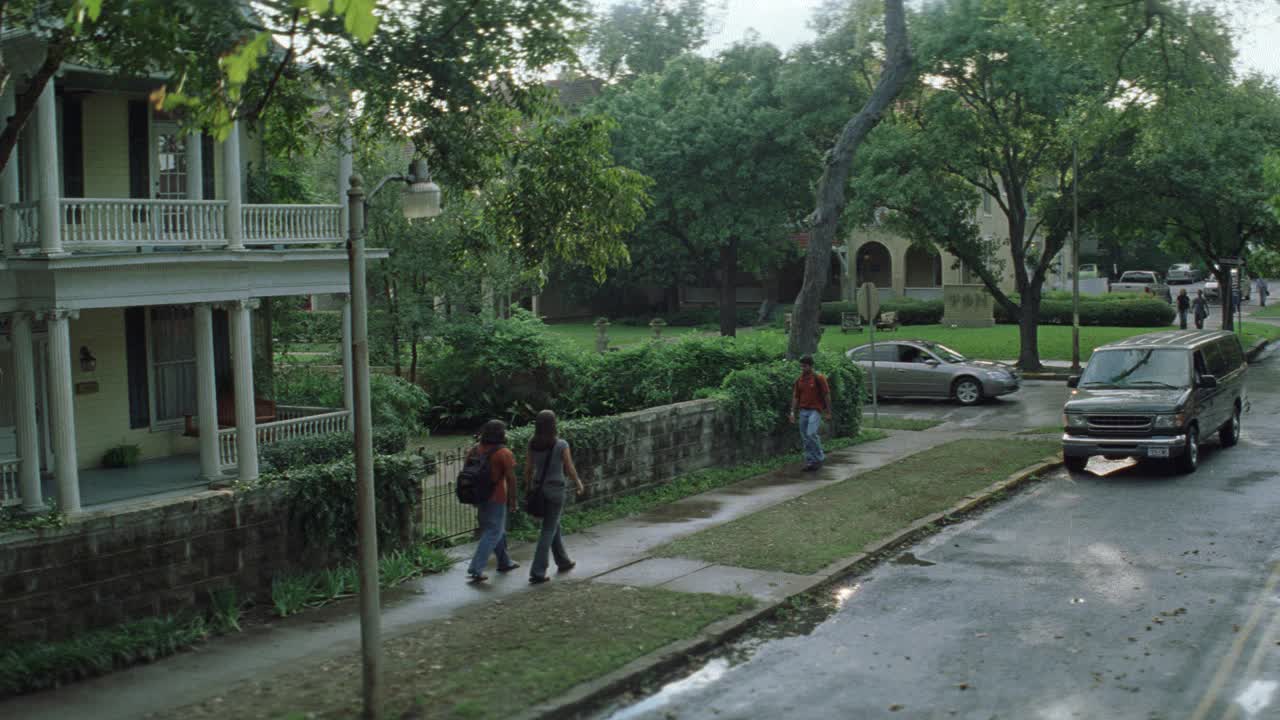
<point x="593" y="694"/>
<point x="1252" y="353"/>
<point x="1056" y="376"/>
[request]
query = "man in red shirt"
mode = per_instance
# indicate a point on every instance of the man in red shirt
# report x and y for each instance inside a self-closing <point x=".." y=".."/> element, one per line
<point x="493" y="514"/>
<point x="811" y="401"/>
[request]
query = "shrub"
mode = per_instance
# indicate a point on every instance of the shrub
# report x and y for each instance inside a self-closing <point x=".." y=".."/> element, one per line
<point x="295" y="325"/>
<point x="327" y="448"/>
<point x="122" y="456"/>
<point x="320" y="499"/>
<point x="1103" y="310"/>
<point x="760" y="395"/>
<point x="396" y="403"/>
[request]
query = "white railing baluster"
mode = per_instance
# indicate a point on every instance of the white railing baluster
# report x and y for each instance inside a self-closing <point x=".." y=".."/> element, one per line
<point x="9" y="493"/>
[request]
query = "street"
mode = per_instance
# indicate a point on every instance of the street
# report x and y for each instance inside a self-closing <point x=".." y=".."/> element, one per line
<point x="1126" y="591"/>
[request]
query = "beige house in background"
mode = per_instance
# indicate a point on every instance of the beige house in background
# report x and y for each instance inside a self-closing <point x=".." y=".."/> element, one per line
<point x="901" y="269"/>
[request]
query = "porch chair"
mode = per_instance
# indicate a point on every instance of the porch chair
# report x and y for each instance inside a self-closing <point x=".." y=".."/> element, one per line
<point x="887" y="321"/>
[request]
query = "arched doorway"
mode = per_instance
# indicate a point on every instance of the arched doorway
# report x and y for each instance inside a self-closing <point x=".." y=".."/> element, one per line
<point x="874" y="265"/>
<point x="924" y="268"/>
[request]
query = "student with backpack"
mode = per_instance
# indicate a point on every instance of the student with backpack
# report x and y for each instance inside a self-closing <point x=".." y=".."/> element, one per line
<point x="488" y="480"/>
<point x="546" y="466"/>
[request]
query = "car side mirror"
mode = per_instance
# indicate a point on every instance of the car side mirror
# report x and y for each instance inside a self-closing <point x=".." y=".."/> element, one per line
<point x="931" y="362"/>
<point x="1208" y="382"/>
<point x="1073" y="381"/>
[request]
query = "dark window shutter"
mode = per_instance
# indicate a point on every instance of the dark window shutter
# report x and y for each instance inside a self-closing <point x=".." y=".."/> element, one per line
<point x="222" y="351"/>
<point x="139" y="153"/>
<point x="135" y="341"/>
<point x="72" y="147"/>
<point x="207" y="178"/>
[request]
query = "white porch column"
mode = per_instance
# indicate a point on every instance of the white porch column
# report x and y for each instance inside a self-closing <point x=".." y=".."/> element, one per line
<point x="231" y="179"/>
<point x="50" y="212"/>
<point x="348" y="398"/>
<point x="195" y="166"/>
<point x="241" y="312"/>
<point x="62" y="412"/>
<point x="206" y="394"/>
<point x="24" y="390"/>
<point x="345" y="165"/>
<point x="8" y="179"/>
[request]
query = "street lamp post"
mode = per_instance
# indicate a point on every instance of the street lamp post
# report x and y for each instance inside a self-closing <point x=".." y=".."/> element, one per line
<point x="421" y="198"/>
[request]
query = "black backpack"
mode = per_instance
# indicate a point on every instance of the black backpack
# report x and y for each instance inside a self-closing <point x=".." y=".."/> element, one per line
<point x="475" y="481"/>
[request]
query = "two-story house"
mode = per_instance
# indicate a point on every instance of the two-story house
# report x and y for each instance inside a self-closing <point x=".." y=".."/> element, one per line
<point x="130" y="271"/>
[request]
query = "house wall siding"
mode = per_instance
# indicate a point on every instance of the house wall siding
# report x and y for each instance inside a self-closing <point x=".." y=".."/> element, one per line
<point x="102" y="417"/>
<point x="106" y="146"/>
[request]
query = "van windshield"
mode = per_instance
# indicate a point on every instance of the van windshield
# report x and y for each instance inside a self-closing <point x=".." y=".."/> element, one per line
<point x="1138" y="368"/>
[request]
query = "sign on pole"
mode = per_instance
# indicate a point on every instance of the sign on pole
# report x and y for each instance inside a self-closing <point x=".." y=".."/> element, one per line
<point x="868" y="308"/>
<point x="1231" y="261"/>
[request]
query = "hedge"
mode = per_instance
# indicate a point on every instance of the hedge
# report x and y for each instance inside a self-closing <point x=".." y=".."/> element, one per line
<point x="327" y="448"/>
<point x="1126" y="311"/>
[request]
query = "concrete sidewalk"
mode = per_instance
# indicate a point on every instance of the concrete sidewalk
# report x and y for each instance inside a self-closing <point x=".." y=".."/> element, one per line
<point x="617" y="551"/>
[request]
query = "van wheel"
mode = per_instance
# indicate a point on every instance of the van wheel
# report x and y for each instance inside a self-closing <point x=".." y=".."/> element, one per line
<point x="1075" y="463"/>
<point x="967" y="391"/>
<point x="1190" y="458"/>
<point x="1229" y="435"/>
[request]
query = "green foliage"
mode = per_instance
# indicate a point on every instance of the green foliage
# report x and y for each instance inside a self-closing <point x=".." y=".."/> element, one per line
<point x="397" y="405"/>
<point x="122" y="456"/>
<point x="291" y="594"/>
<point x="760" y="395"/>
<point x="638" y="37"/>
<point x="1118" y="310"/>
<point x="320" y="503"/>
<point x="12" y="519"/>
<point x="291" y="324"/>
<point x="327" y="448"/>
<point x="225" y="609"/>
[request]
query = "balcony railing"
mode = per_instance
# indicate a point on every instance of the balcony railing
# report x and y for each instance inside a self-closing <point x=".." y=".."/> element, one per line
<point x="293" y="224"/>
<point x="9" y="494"/>
<point x="297" y="422"/>
<point x="118" y="225"/>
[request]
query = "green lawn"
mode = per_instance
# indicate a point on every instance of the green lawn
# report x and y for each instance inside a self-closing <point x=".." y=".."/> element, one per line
<point x="810" y="532"/>
<point x="490" y="660"/>
<point x="583" y="334"/>
<point x="1270" y="311"/>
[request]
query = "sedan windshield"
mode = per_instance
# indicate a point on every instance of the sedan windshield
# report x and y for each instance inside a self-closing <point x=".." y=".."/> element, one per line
<point x="1146" y="368"/>
<point x="946" y="353"/>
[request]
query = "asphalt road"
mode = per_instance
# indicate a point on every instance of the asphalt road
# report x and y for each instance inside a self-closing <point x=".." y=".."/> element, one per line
<point x="1126" y="591"/>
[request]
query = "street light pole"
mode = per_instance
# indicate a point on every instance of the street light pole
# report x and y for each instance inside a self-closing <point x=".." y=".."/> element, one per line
<point x="1075" y="258"/>
<point x="420" y="199"/>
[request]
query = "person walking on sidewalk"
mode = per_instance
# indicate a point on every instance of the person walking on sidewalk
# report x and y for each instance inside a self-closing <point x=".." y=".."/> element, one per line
<point x="810" y="403"/>
<point x="1263" y="291"/>
<point x="1200" y="309"/>
<point x="493" y="513"/>
<point x="549" y="462"/>
<point x="1184" y="306"/>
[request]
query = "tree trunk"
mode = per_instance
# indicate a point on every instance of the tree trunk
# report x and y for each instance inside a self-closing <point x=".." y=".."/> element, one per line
<point x="672" y="298"/>
<point x="1028" y="332"/>
<point x="835" y="178"/>
<point x="1226" y="291"/>
<point x="729" y="288"/>
<point x="413" y="356"/>
<point x="395" y="325"/>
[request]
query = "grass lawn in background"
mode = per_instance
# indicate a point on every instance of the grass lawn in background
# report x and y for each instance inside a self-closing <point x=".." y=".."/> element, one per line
<point x="808" y="533"/>
<point x="490" y="660"/>
<point x="583" y="334"/>
<point x="1270" y="311"/>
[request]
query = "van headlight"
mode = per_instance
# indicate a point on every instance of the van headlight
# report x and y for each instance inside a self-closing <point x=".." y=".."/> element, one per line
<point x="1170" y="422"/>
<point x="1075" y="420"/>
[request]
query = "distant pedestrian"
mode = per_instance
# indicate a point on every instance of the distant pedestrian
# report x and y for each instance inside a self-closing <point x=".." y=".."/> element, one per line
<point x="1263" y="291"/>
<point x="546" y="465"/>
<point x="493" y="512"/>
<point x="1200" y="309"/>
<point x="1184" y="306"/>
<point x="810" y="404"/>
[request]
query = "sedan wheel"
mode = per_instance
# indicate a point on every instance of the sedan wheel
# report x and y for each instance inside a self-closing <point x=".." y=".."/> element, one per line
<point x="967" y="391"/>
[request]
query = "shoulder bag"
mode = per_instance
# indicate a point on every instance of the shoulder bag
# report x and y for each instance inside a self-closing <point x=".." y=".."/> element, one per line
<point x="535" y="503"/>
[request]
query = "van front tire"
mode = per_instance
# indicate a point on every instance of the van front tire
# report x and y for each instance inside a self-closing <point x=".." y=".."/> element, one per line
<point x="1229" y="435"/>
<point x="1190" y="458"/>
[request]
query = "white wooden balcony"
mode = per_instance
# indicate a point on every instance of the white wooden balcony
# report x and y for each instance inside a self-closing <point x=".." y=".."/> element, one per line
<point x="9" y="492"/>
<point x="113" y="225"/>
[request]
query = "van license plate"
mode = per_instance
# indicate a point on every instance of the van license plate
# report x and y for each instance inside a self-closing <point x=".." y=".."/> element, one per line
<point x="1158" y="452"/>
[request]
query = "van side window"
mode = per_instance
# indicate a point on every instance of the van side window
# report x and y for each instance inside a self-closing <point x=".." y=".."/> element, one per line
<point x="1231" y="350"/>
<point x="1217" y="360"/>
<point x="1201" y="367"/>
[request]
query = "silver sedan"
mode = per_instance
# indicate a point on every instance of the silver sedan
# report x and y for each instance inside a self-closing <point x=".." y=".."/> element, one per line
<point x="920" y="368"/>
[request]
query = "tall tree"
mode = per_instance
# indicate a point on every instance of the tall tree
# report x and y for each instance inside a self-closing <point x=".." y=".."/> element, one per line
<point x="638" y="37"/>
<point x="894" y="74"/>
<point x="730" y="169"/>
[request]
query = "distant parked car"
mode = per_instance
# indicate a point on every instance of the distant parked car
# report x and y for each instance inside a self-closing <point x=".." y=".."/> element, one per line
<point x="920" y="368"/>
<point x="1146" y="282"/>
<point x="1088" y="271"/>
<point x="1213" y="293"/>
<point x="1182" y="273"/>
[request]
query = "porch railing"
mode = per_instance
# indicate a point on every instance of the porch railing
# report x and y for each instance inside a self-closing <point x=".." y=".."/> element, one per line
<point x="123" y="224"/>
<point x="25" y="226"/>
<point x="293" y="224"/>
<point x="329" y="421"/>
<point x="9" y="493"/>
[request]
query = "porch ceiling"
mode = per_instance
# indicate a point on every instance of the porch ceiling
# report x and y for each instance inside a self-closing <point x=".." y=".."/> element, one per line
<point x="124" y="280"/>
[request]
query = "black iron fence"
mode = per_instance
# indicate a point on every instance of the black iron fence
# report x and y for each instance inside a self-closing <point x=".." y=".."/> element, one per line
<point x="442" y="514"/>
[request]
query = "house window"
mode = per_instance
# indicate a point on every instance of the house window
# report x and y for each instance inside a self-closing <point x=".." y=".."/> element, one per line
<point x="173" y="363"/>
<point x="986" y="203"/>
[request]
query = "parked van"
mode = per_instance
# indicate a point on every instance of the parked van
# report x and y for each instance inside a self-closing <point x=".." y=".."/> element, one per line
<point x="1156" y="396"/>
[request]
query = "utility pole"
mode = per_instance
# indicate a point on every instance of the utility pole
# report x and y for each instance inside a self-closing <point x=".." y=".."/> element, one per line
<point x="1075" y="257"/>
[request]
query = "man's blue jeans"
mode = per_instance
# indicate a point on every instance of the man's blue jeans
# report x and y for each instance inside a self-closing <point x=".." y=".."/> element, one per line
<point x="810" y="423"/>
<point x="493" y="538"/>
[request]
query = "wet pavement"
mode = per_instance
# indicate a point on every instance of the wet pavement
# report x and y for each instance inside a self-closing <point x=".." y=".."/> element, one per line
<point x="1127" y="591"/>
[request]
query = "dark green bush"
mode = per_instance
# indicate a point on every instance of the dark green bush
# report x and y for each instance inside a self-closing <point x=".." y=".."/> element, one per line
<point x="397" y="404"/>
<point x="295" y="325"/>
<point x="1101" y="310"/>
<point x="322" y="449"/>
<point x="321" y="500"/>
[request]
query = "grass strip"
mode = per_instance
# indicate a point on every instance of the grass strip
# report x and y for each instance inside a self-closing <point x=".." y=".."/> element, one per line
<point x="808" y="533"/>
<point x="489" y="660"/>
<point x="890" y="422"/>
<point x="1043" y="430"/>
<point x="577" y="519"/>
<point x="1270" y="311"/>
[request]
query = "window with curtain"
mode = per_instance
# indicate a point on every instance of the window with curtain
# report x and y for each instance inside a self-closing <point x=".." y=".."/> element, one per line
<point x="173" y="362"/>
